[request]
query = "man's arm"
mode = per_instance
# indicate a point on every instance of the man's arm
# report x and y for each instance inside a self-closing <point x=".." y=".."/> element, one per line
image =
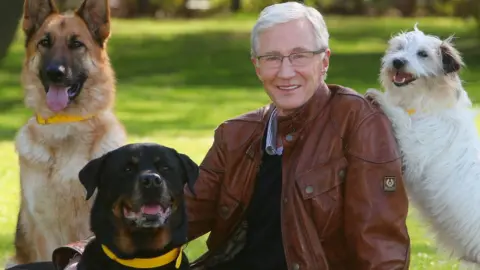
<point x="376" y="203"/>
<point x="201" y="206"/>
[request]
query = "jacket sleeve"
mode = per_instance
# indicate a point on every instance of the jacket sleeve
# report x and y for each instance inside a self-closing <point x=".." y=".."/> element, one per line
<point x="200" y="207"/>
<point x="376" y="203"/>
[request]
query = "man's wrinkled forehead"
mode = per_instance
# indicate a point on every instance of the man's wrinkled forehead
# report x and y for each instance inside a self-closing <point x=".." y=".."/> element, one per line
<point x="284" y="38"/>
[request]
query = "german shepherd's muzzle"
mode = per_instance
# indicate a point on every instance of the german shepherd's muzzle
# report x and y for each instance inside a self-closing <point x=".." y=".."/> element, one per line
<point x="61" y="74"/>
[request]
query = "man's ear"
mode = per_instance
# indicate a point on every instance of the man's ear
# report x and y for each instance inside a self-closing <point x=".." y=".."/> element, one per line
<point x="192" y="171"/>
<point x="90" y="175"/>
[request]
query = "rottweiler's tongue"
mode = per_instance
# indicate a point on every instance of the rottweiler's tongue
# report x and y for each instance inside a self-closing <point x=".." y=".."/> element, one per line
<point x="57" y="98"/>
<point x="152" y="209"/>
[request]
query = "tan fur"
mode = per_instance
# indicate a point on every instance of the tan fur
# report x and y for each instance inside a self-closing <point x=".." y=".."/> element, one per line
<point x="123" y="238"/>
<point x="53" y="209"/>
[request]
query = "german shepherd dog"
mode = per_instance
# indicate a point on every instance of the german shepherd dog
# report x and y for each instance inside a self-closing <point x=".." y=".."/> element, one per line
<point x="138" y="217"/>
<point x="69" y="85"/>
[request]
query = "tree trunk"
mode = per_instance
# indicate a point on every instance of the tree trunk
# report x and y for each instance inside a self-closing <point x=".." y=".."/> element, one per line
<point x="10" y="14"/>
<point x="407" y="7"/>
<point x="359" y="7"/>
<point x="235" y="5"/>
<point x="476" y="12"/>
<point x="430" y="7"/>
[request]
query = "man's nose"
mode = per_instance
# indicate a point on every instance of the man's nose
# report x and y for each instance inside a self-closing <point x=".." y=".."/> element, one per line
<point x="286" y="69"/>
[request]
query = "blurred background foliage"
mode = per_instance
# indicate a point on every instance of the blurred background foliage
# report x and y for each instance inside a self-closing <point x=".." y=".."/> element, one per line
<point x="10" y="11"/>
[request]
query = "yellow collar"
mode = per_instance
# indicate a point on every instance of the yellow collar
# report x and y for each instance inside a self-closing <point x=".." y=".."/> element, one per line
<point x="61" y="118"/>
<point x="144" y="263"/>
<point x="411" y="111"/>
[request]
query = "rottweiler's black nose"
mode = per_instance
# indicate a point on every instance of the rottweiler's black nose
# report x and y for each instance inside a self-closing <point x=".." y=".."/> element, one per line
<point x="151" y="180"/>
<point x="399" y="63"/>
<point x="56" y="73"/>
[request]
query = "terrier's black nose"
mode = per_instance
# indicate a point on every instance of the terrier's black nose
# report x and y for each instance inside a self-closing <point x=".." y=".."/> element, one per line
<point x="399" y="63"/>
<point x="56" y="73"/>
<point x="151" y="180"/>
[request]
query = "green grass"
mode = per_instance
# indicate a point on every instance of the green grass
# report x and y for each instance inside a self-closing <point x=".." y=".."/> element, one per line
<point x="178" y="80"/>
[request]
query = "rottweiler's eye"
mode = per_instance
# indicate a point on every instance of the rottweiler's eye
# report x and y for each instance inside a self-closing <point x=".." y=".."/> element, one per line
<point x="164" y="168"/>
<point x="129" y="167"/>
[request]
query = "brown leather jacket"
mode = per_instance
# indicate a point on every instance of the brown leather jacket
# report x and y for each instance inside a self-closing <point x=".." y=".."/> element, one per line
<point x="344" y="204"/>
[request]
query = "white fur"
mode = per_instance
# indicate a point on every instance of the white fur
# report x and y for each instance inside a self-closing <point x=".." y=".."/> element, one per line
<point x="439" y="143"/>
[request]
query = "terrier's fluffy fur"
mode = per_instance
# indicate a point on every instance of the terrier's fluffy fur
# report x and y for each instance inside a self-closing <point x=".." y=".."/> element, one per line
<point x="434" y="124"/>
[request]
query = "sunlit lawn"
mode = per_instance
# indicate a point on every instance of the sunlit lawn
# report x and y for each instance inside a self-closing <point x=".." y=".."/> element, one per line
<point x="177" y="80"/>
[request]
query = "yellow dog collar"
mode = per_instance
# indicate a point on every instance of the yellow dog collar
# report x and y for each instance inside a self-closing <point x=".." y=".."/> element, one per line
<point x="411" y="111"/>
<point x="60" y="118"/>
<point x="144" y="263"/>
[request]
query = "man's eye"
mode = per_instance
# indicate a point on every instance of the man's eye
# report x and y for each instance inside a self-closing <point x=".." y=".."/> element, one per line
<point x="299" y="56"/>
<point x="272" y="58"/>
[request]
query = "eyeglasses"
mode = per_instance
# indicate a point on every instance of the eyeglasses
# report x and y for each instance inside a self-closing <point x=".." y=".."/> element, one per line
<point x="296" y="59"/>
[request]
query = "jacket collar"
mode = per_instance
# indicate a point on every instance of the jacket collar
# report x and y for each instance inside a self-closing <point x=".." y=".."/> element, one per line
<point x="303" y="115"/>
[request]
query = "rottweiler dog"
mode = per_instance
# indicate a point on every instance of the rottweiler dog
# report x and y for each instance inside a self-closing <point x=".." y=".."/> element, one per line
<point x="138" y="216"/>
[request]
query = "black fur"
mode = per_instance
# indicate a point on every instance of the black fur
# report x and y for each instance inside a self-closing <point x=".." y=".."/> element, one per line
<point x="449" y="63"/>
<point x="112" y="180"/>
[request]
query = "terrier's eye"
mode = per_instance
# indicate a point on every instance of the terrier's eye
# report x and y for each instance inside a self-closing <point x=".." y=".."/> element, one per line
<point x="422" y="54"/>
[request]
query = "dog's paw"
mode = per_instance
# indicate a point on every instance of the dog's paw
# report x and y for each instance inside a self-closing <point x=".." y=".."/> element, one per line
<point x="376" y="97"/>
<point x="374" y="94"/>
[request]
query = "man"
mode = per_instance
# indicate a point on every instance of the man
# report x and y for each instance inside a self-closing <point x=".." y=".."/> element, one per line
<point x="312" y="181"/>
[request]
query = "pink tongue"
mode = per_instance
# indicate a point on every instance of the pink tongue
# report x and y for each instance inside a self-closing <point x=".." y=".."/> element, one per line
<point x="57" y="98"/>
<point x="151" y="209"/>
<point x="399" y="76"/>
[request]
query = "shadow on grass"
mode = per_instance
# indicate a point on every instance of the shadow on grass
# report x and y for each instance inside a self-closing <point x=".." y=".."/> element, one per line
<point x="189" y="83"/>
<point x="5" y="246"/>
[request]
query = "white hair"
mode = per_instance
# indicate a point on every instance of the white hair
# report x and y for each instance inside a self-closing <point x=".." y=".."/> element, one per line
<point x="285" y="12"/>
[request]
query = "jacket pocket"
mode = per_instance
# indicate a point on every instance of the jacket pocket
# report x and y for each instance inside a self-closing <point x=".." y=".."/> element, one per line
<point x="227" y="205"/>
<point x="226" y="214"/>
<point x="321" y="189"/>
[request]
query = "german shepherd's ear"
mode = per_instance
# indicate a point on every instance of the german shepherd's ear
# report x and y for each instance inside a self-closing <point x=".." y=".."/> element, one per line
<point x="191" y="171"/>
<point x="35" y="12"/>
<point x="90" y="175"/>
<point x="96" y="14"/>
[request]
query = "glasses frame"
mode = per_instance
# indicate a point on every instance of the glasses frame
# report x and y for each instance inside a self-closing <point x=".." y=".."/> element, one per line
<point x="289" y="56"/>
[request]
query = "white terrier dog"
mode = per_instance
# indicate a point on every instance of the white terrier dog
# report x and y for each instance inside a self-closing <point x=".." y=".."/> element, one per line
<point x="435" y="129"/>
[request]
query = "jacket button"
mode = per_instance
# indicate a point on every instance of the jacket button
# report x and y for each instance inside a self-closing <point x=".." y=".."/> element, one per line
<point x="295" y="266"/>
<point x="309" y="189"/>
<point x="289" y="137"/>
<point x="285" y="200"/>
<point x="224" y="210"/>
<point x="341" y="174"/>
